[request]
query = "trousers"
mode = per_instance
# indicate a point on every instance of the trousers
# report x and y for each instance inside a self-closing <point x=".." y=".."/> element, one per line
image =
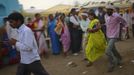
<point x="113" y="55"/>
<point x="36" y="68"/>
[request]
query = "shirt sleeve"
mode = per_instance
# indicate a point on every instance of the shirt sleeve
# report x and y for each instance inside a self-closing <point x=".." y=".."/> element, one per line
<point x="73" y="20"/>
<point x="27" y="43"/>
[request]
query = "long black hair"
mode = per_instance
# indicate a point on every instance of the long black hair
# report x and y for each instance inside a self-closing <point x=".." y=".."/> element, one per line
<point x="49" y="17"/>
<point x="61" y="17"/>
<point x="93" y="14"/>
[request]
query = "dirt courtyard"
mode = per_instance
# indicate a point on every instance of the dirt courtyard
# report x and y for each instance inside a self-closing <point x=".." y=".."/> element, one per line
<point x="58" y="65"/>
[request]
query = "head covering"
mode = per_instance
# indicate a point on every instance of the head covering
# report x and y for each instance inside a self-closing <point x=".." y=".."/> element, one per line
<point x="77" y="10"/>
<point x="84" y="14"/>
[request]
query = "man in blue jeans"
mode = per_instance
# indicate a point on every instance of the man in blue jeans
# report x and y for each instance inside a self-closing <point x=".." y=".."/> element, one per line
<point x="112" y="33"/>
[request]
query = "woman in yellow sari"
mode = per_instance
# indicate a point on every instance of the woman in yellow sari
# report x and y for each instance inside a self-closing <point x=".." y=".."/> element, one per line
<point x="96" y="40"/>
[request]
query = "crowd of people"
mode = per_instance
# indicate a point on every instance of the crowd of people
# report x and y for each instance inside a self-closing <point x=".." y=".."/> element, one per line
<point x="94" y="33"/>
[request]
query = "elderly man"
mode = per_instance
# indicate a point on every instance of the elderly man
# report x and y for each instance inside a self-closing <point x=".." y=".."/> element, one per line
<point x="112" y="33"/>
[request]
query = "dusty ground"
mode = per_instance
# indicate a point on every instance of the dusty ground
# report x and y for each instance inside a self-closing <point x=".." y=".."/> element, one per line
<point x="57" y="65"/>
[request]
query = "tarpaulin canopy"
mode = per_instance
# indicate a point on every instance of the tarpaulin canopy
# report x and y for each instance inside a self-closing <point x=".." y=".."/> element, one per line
<point x="103" y="3"/>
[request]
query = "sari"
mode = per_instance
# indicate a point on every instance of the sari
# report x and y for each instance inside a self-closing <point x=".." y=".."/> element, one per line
<point x="54" y="37"/>
<point x="40" y="38"/>
<point x="8" y="53"/>
<point x="65" y="38"/>
<point x="96" y="43"/>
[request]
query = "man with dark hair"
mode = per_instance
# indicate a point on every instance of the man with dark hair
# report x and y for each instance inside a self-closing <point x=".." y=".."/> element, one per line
<point x="113" y="29"/>
<point x="75" y="32"/>
<point x="27" y="46"/>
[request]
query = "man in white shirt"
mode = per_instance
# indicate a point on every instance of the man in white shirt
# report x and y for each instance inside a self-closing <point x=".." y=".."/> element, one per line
<point x="75" y="32"/>
<point x="127" y="18"/>
<point x="27" y="46"/>
<point x="84" y="23"/>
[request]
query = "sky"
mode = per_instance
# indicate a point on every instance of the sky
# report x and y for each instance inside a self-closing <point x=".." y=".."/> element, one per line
<point x="45" y="4"/>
